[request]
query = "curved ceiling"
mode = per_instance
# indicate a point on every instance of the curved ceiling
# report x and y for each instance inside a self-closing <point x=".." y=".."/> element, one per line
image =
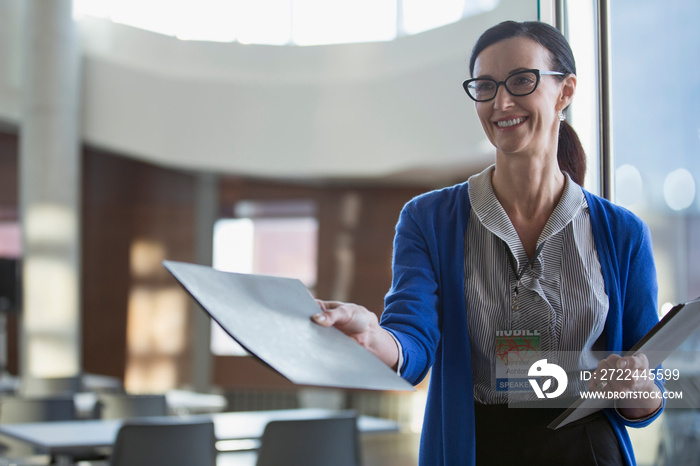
<point x="366" y="110"/>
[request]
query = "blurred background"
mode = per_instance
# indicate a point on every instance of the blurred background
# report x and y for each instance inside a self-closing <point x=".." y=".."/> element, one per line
<point x="283" y="137"/>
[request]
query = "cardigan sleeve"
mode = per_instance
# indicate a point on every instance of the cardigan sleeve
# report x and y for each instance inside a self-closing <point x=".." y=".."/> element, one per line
<point x="623" y="242"/>
<point x="411" y="305"/>
<point x="640" y="291"/>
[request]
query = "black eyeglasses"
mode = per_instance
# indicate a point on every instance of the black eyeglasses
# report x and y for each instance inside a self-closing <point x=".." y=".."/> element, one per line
<point x="517" y="84"/>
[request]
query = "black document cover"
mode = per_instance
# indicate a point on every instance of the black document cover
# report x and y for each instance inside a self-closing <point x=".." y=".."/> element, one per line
<point x="658" y="344"/>
<point x="271" y="318"/>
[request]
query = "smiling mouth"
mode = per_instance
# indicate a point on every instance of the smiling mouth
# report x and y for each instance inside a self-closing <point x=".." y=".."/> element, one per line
<point x="509" y="123"/>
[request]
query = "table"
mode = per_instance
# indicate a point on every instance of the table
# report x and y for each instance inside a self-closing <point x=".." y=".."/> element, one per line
<point x="66" y="440"/>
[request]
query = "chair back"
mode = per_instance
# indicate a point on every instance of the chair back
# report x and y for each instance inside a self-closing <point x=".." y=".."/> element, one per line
<point x="310" y="442"/>
<point x="50" y="386"/>
<point x="16" y="409"/>
<point x="124" y="406"/>
<point x="174" y="443"/>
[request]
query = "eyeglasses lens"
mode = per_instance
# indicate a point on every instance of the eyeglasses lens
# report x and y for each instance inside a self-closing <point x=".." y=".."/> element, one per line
<point x="521" y="83"/>
<point x="518" y="84"/>
<point x="482" y="89"/>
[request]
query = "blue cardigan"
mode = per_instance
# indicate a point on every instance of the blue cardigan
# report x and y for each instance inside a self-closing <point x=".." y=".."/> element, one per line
<point x="425" y="310"/>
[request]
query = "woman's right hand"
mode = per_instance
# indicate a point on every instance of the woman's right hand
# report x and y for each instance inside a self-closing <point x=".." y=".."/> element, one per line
<point x="355" y="321"/>
<point x="360" y="324"/>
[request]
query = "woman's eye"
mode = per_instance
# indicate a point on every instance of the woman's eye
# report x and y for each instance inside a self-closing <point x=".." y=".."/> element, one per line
<point x="484" y="86"/>
<point x="522" y="81"/>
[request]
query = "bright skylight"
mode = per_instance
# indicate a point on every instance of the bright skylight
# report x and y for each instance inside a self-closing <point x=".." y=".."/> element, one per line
<point x="419" y="15"/>
<point x="283" y="22"/>
<point x="324" y="22"/>
<point x="262" y="21"/>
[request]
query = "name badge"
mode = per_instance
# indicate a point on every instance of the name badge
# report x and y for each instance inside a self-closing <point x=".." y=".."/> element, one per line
<point x="516" y="351"/>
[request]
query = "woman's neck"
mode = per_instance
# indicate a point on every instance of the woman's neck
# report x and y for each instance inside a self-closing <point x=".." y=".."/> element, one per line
<point x="528" y="190"/>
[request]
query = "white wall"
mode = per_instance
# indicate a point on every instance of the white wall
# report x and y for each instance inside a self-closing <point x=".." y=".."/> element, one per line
<point x="359" y="110"/>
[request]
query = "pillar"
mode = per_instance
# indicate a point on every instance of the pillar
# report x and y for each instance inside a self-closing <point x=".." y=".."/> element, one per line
<point x="50" y="190"/>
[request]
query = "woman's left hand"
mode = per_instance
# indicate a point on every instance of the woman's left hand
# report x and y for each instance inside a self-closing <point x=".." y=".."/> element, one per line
<point x="629" y="374"/>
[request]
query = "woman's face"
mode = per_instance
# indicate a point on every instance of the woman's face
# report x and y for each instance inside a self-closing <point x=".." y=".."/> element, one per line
<point x="526" y="124"/>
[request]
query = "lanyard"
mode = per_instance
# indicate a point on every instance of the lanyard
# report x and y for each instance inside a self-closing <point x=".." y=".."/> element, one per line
<point x="519" y="274"/>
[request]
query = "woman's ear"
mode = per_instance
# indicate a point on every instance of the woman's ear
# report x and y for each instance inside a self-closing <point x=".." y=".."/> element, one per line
<point x="567" y="91"/>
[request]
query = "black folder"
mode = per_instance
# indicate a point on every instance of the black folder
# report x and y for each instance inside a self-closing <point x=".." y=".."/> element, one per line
<point x="658" y="344"/>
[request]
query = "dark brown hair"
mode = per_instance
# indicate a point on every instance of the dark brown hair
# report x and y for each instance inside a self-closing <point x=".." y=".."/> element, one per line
<point x="570" y="154"/>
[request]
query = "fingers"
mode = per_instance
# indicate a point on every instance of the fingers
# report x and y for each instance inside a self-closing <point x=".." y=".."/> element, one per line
<point x="329" y="314"/>
<point x="353" y="320"/>
<point x="614" y="361"/>
<point x="620" y="373"/>
<point x="348" y="317"/>
<point x="321" y="317"/>
<point x="328" y="305"/>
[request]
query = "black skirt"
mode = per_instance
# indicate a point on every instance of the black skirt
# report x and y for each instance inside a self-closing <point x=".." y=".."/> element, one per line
<point x="520" y="436"/>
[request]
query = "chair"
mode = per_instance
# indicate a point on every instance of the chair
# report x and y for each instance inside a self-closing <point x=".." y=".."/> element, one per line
<point x="310" y="442"/>
<point x="123" y="406"/>
<point x="175" y="443"/>
<point x="50" y="386"/>
<point x="98" y="383"/>
<point x="15" y="409"/>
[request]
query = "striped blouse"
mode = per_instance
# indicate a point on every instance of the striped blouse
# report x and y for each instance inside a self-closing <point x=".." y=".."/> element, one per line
<point x="561" y="295"/>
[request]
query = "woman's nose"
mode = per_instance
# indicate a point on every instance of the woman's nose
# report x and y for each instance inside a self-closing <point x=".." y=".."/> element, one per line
<point x="503" y="99"/>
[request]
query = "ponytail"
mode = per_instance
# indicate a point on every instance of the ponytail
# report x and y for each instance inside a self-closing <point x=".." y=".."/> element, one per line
<point x="570" y="154"/>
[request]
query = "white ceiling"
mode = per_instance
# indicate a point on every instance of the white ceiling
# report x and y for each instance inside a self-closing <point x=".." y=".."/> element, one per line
<point x="387" y="110"/>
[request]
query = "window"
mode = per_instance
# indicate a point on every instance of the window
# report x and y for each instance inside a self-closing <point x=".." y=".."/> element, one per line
<point x="10" y="239"/>
<point x="656" y="142"/>
<point x="657" y="133"/>
<point x="656" y="154"/>
<point x="268" y="238"/>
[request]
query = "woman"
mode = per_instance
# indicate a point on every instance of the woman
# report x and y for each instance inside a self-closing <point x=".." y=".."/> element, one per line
<point x="520" y="246"/>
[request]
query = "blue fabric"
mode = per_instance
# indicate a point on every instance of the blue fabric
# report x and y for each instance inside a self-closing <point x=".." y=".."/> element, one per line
<point x="425" y="309"/>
